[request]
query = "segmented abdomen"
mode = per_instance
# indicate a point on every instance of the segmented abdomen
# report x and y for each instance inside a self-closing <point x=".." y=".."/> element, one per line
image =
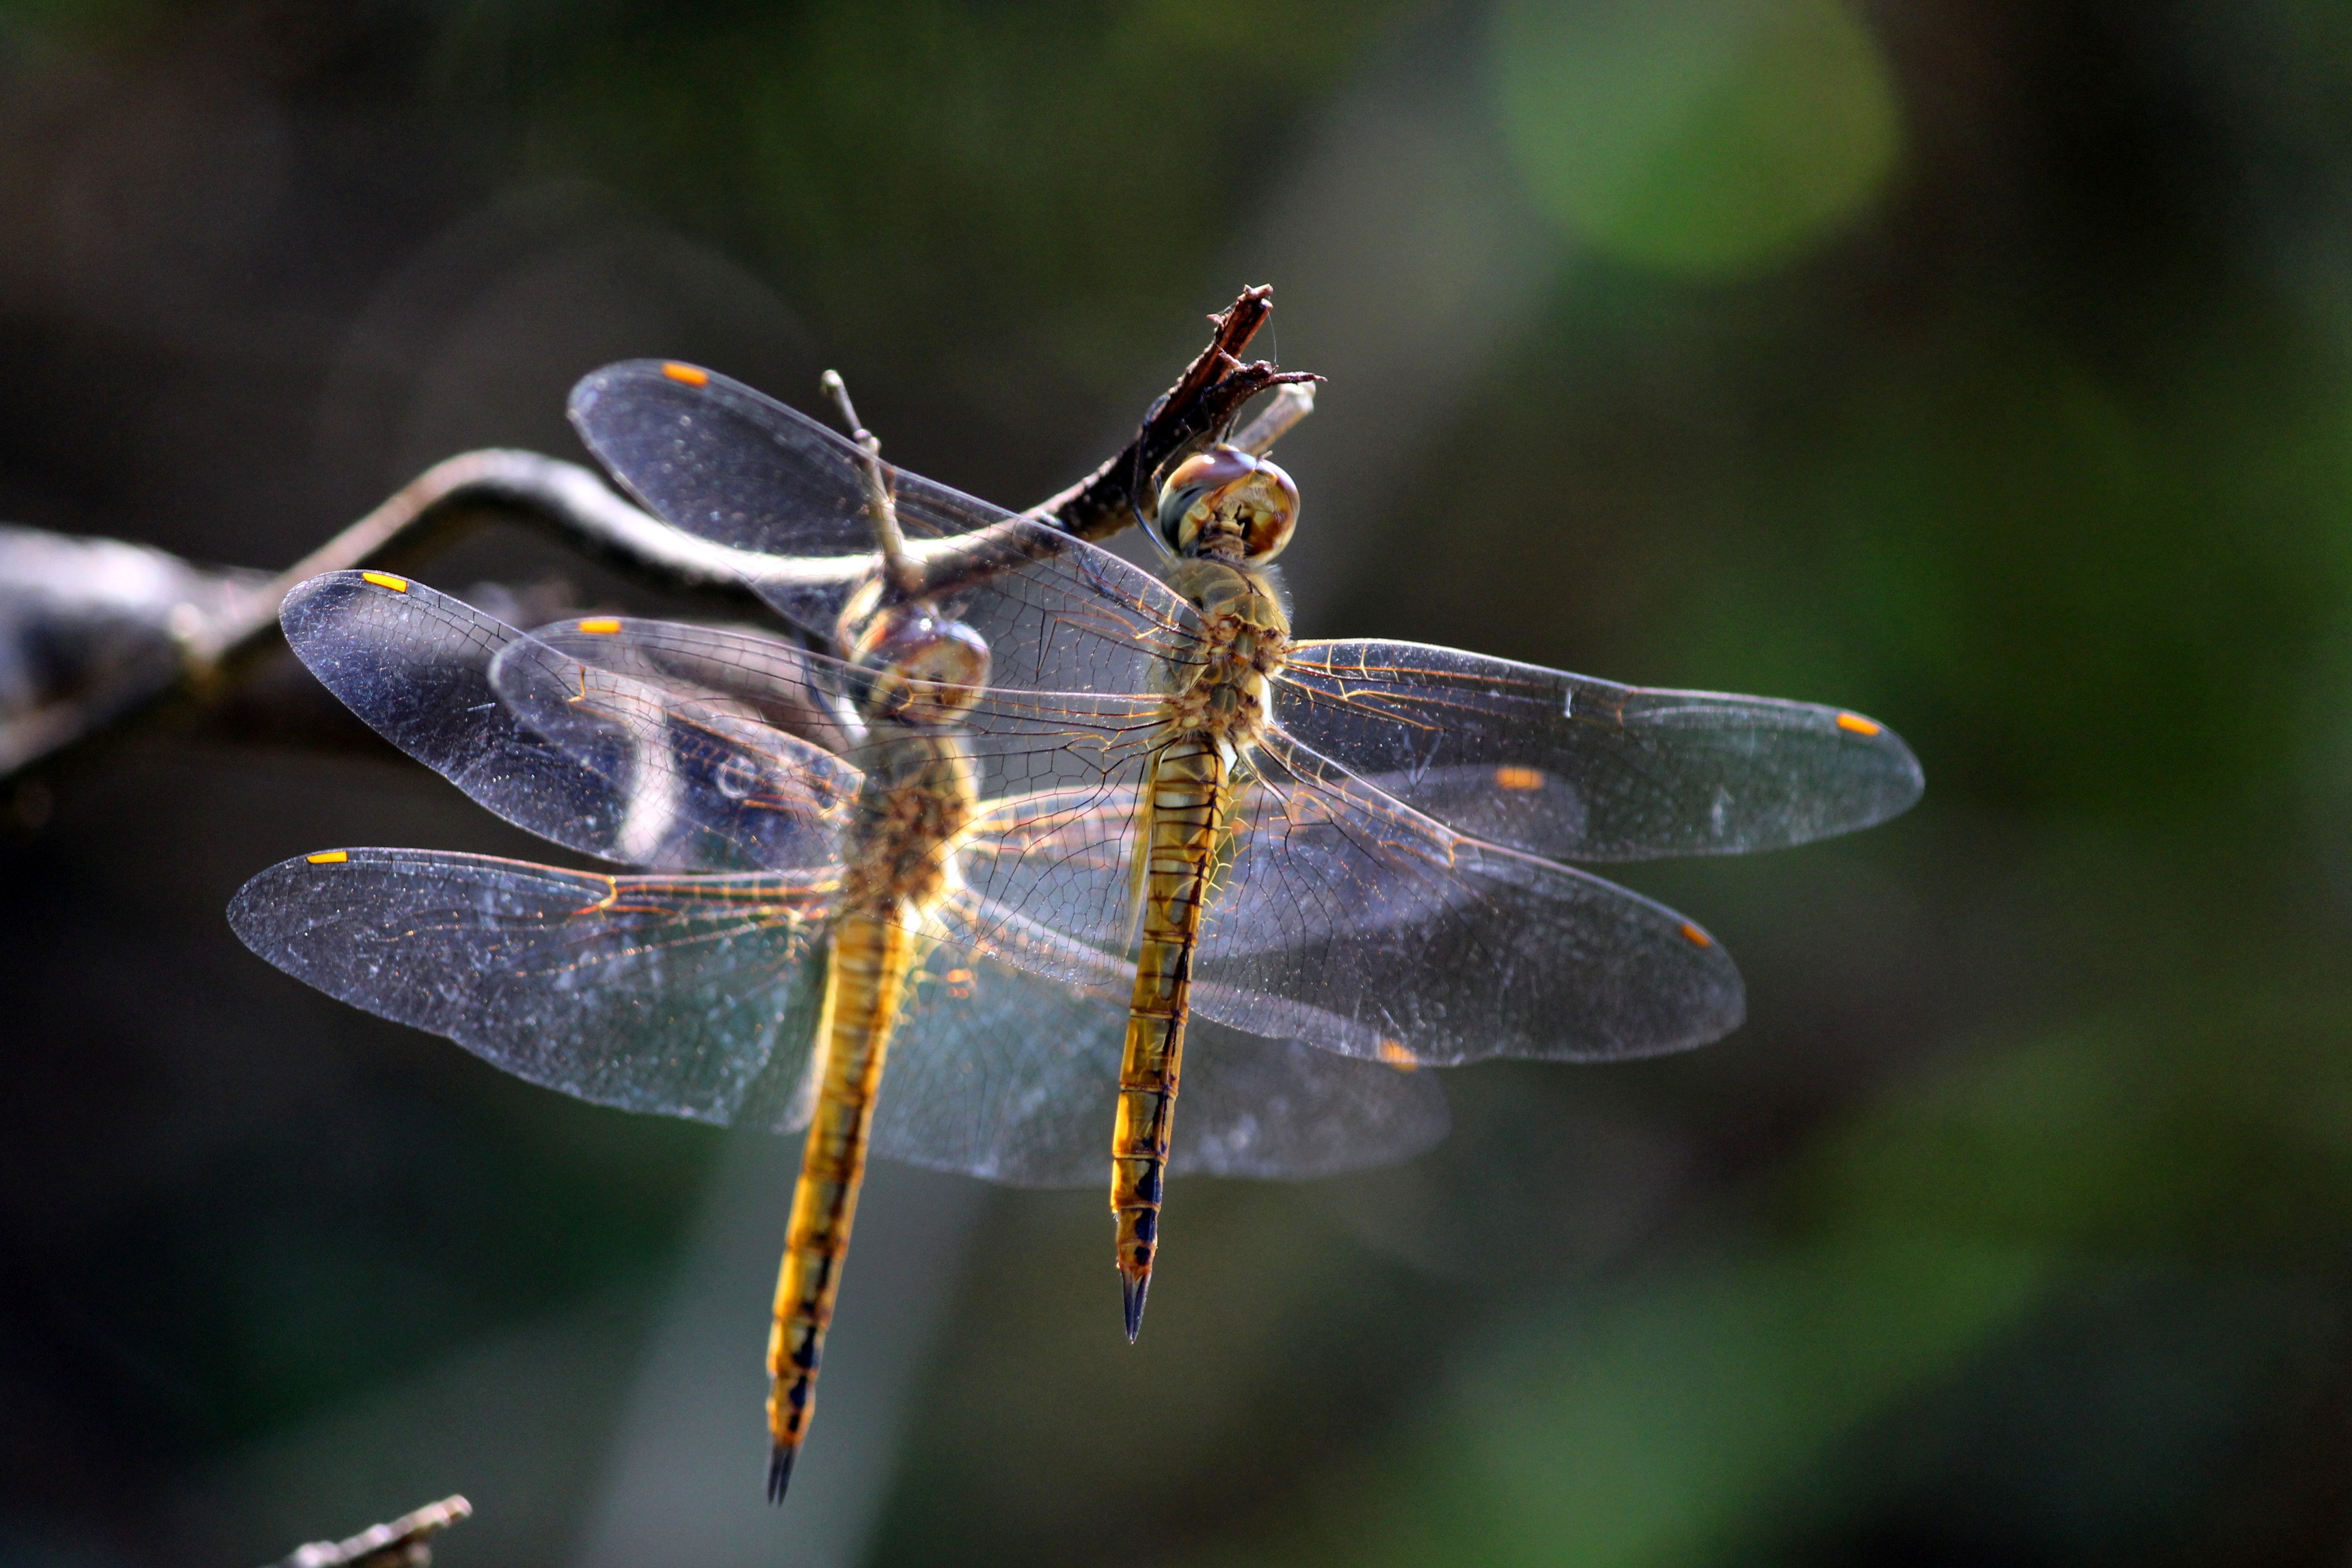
<point x="1186" y="805"/>
<point x="865" y="983"/>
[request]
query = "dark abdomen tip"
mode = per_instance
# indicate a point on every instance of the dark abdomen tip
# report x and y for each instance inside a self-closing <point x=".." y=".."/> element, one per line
<point x="1135" y="1287"/>
<point x="780" y="1470"/>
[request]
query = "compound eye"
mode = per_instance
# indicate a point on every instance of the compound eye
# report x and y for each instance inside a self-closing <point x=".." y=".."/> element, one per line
<point x="1224" y="492"/>
<point x="1267" y="505"/>
<point x="955" y="656"/>
<point x="936" y="671"/>
<point x="1189" y="498"/>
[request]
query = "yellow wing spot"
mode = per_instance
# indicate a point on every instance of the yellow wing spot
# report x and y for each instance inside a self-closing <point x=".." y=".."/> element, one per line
<point x="604" y="625"/>
<point x="1519" y="778"/>
<point x="1857" y="724"/>
<point x="328" y="857"/>
<point x="385" y="580"/>
<point x="1697" y="937"/>
<point x="1394" y="1053"/>
<point x="686" y="375"/>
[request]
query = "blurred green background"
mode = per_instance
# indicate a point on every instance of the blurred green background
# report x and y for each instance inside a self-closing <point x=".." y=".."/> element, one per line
<point x="1986" y="367"/>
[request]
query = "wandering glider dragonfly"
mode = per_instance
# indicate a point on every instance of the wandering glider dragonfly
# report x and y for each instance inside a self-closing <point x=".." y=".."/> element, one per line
<point x="803" y="915"/>
<point x="1360" y="832"/>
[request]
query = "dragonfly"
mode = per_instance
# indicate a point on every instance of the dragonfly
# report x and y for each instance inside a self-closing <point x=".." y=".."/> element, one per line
<point x="886" y="823"/>
<point x="800" y="917"/>
<point x="1367" y="833"/>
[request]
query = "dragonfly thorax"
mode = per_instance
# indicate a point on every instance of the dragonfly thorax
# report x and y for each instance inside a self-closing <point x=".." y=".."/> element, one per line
<point x="923" y="673"/>
<point x="914" y="809"/>
<point x="1220" y="685"/>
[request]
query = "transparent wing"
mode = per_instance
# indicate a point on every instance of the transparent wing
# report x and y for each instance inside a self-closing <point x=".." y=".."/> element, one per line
<point x="999" y="1074"/>
<point x="700" y="997"/>
<point x="689" y="996"/>
<point x="1344" y="919"/>
<point x="1069" y="763"/>
<point x="782" y="684"/>
<point x="1024" y="740"/>
<point x="1576" y="769"/>
<point x="1438" y="948"/>
<point x="1253" y="1107"/>
<point x="722" y="461"/>
<point x="709" y="768"/>
<point x="417" y="665"/>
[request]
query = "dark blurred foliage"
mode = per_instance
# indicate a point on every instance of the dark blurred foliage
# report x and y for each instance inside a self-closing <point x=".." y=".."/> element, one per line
<point x="1986" y="367"/>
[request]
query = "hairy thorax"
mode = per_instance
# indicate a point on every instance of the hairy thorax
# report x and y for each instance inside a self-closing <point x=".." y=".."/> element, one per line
<point x="1219" y="686"/>
<point x="917" y="803"/>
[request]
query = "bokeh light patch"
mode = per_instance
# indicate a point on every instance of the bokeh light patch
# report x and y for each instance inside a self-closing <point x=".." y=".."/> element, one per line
<point x="1704" y="138"/>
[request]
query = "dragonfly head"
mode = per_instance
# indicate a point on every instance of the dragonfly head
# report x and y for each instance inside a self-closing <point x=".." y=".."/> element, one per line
<point x="925" y="669"/>
<point x="1224" y="503"/>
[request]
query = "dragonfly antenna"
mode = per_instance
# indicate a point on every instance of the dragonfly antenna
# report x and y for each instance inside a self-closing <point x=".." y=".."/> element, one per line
<point x="881" y="511"/>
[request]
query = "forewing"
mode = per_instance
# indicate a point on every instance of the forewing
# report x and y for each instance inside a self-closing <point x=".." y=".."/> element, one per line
<point x="713" y="457"/>
<point x="781" y="684"/>
<point x="688" y="996"/>
<point x="1417" y="944"/>
<point x="1000" y="1074"/>
<point x="701" y="768"/>
<point x="1576" y="769"/>
<point x="1024" y="740"/>
<point x="416" y="665"/>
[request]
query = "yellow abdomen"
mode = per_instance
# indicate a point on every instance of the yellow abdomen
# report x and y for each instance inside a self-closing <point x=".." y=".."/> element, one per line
<point x="864" y="983"/>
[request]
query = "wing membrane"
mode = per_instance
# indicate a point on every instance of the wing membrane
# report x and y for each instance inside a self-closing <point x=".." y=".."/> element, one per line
<point x="1025" y="740"/>
<point x="786" y="686"/>
<point x="1434" y="948"/>
<point x="690" y="996"/>
<point x="1002" y="1075"/>
<point x="1359" y="925"/>
<point x="700" y="997"/>
<point x="711" y="772"/>
<point x="1577" y="769"/>
<point x="417" y="665"/>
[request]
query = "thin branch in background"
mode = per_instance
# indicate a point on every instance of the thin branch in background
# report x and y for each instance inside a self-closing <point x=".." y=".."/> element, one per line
<point x="1290" y="403"/>
<point x="405" y="1543"/>
<point x="123" y="628"/>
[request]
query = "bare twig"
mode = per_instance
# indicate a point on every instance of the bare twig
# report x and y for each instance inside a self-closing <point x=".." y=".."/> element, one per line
<point x="1198" y="408"/>
<point x="191" y="625"/>
<point x="579" y="505"/>
<point x="1204" y="401"/>
<point x="405" y="1543"/>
